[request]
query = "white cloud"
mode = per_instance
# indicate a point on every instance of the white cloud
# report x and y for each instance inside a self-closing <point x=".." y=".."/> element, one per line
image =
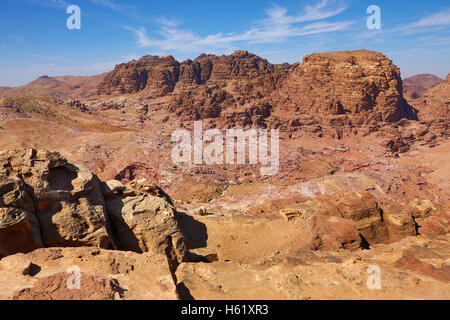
<point x="277" y="26"/>
<point x="435" y="21"/>
<point x="112" y="5"/>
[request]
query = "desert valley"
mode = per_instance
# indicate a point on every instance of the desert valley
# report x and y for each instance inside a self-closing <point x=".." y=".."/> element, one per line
<point x="358" y="209"/>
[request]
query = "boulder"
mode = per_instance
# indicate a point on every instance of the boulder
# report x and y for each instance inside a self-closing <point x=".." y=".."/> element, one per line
<point x="399" y="222"/>
<point x="435" y="225"/>
<point x="143" y="222"/>
<point x="329" y="232"/>
<point x="362" y="209"/>
<point x="66" y="199"/>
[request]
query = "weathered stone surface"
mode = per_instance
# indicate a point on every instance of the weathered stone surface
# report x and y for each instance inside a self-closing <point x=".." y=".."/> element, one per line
<point x="229" y="281"/>
<point x="365" y="214"/>
<point x="420" y="209"/>
<point x="105" y="274"/>
<point x="147" y="187"/>
<point x="143" y="222"/>
<point x="362" y="83"/>
<point x="67" y="199"/>
<point x="435" y="225"/>
<point x="360" y="209"/>
<point x="329" y="232"/>
<point x="409" y="262"/>
<point x="334" y="274"/>
<point x="54" y="287"/>
<point x="399" y="222"/>
<point x="67" y="208"/>
<point x="19" y="231"/>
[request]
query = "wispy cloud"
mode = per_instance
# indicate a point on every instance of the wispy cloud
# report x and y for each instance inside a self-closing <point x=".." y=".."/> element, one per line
<point x="278" y="26"/>
<point x="58" y="4"/>
<point x="113" y="5"/>
<point x="435" y="21"/>
<point x="40" y="56"/>
<point x="16" y="38"/>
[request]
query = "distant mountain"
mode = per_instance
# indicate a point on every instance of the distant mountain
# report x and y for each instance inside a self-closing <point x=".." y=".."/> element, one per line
<point x="414" y="87"/>
<point x="435" y="102"/>
<point x="65" y="86"/>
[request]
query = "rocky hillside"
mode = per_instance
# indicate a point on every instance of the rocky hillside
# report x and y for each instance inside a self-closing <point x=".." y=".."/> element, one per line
<point x="435" y="102"/>
<point x="129" y="242"/>
<point x="414" y="87"/>
<point x="65" y="86"/>
<point x="48" y="202"/>
<point x="348" y="87"/>
<point x="363" y="183"/>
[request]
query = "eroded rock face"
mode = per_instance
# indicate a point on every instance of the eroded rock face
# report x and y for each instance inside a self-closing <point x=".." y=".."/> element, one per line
<point x="54" y="287"/>
<point x="351" y="87"/>
<point x="362" y="209"/>
<point x="156" y="76"/>
<point x="329" y="232"/>
<point x="47" y="202"/>
<point x="19" y="231"/>
<point x="362" y="83"/>
<point x="408" y="271"/>
<point x="66" y="199"/>
<point x="144" y="222"/>
<point x="105" y="274"/>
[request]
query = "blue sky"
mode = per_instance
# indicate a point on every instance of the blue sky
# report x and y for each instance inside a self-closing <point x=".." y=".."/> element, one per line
<point x="35" y="41"/>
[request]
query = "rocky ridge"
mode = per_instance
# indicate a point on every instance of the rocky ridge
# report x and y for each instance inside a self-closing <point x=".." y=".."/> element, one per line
<point x="344" y="87"/>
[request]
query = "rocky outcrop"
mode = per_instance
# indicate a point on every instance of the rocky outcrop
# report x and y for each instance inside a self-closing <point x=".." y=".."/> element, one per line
<point x="362" y="84"/>
<point x="19" y="231"/>
<point x="407" y="272"/>
<point x="351" y="220"/>
<point x="47" y="202"/>
<point x="435" y="225"/>
<point x="351" y="87"/>
<point x="54" y="287"/>
<point x="65" y="199"/>
<point x="329" y="232"/>
<point x="155" y="76"/>
<point x="144" y="222"/>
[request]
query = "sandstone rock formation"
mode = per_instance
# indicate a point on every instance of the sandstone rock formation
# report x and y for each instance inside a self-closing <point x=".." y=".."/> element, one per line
<point x="65" y="199"/>
<point x="46" y="201"/>
<point x="363" y="84"/>
<point x="330" y="274"/>
<point x="350" y="87"/>
<point x="105" y="275"/>
<point x="361" y="183"/>
<point x="143" y="222"/>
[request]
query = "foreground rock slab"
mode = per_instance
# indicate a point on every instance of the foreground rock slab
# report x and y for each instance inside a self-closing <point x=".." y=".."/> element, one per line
<point x="105" y="275"/>
<point x="409" y="269"/>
